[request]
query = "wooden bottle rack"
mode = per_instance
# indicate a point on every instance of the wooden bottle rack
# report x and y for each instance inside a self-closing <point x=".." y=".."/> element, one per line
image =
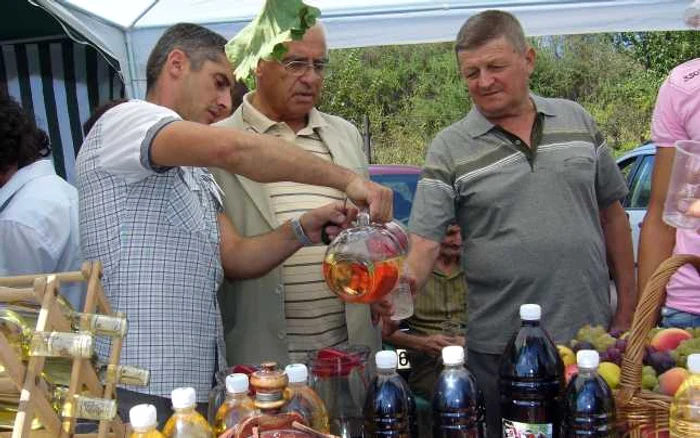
<point x="34" y="401"/>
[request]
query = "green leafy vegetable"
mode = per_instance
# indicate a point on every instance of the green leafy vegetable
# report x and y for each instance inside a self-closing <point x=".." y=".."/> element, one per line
<point x="280" y="21"/>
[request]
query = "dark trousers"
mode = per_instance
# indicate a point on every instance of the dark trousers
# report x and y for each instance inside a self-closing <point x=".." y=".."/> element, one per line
<point x="485" y="369"/>
<point x="164" y="407"/>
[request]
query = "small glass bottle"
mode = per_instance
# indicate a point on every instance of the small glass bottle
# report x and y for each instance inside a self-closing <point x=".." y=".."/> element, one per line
<point x="237" y="406"/>
<point x="124" y="375"/>
<point x="100" y="325"/>
<point x="186" y="422"/>
<point x="59" y="344"/>
<point x="144" y="420"/>
<point x="304" y="400"/>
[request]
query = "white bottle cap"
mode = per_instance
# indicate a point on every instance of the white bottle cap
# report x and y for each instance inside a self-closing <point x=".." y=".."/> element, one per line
<point x="386" y="360"/>
<point x="588" y="359"/>
<point x="143" y="416"/>
<point x="453" y="355"/>
<point x="297" y="373"/>
<point x="530" y="312"/>
<point x="183" y="398"/>
<point x="236" y="383"/>
<point x="694" y="363"/>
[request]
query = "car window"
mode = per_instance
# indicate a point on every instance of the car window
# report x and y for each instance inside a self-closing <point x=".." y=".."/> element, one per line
<point x="404" y="187"/>
<point x="627" y="166"/>
<point x="640" y="186"/>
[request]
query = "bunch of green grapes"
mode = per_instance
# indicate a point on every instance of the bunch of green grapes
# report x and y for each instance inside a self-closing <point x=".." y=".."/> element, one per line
<point x="684" y="349"/>
<point x="600" y="339"/>
<point x="695" y="331"/>
<point x="649" y="379"/>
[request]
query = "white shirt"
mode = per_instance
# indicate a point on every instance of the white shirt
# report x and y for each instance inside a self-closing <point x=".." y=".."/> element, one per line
<point x="39" y="226"/>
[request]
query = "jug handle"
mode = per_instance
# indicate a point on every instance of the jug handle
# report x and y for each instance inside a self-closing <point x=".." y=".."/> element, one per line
<point x="363" y="217"/>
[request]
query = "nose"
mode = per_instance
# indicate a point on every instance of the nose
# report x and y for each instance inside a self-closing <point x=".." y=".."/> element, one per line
<point x="310" y="75"/>
<point x="224" y="101"/>
<point x="485" y="80"/>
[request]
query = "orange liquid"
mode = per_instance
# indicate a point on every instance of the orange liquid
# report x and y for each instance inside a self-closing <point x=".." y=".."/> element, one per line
<point x="357" y="282"/>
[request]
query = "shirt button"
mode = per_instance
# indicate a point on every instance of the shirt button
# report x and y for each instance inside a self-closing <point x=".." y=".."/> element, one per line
<point x="281" y="334"/>
<point x="278" y="290"/>
<point x="517" y="142"/>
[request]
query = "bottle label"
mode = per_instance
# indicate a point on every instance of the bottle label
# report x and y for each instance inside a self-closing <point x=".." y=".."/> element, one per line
<point x="515" y="429"/>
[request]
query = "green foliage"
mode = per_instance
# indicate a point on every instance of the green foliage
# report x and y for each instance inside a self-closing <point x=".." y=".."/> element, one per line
<point x="279" y="21"/>
<point x="410" y="93"/>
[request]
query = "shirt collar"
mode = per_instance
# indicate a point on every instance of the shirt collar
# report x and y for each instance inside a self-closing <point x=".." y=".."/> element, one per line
<point x="261" y="123"/>
<point x="478" y="125"/>
<point x="32" y="171"/>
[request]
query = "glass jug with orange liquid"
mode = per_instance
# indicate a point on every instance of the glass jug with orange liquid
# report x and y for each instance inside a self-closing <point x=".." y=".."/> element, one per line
<point x="363" y="264"/>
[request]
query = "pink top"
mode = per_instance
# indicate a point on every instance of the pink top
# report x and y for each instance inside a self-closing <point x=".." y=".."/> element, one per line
<point x="677" y="117"/>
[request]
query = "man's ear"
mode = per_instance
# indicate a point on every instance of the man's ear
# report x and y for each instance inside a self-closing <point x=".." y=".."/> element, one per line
<point x="177" y="63"/>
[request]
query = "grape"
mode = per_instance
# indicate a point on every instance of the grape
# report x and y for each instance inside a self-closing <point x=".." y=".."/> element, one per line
<point x="684" y="349"/>
<point x="603" y="342"/>
<point x="621" y="344"/>
<point x="649" y="370"/>
<point x="661" y="361"/>
<point x="649" y="381"/>
<point x="616" y="333"/>
<point x="583" y="345"/>
<point x="614" y="356"/>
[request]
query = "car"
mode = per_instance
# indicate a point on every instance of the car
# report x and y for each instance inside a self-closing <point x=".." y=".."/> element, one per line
<point x="637" y="166"/>
<point x="402" y="179"/>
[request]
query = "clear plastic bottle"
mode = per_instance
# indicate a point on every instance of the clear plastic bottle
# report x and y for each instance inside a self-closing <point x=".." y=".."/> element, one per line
<point x="237" y="406"/>
<point x="387" y="406"/>
<point x="531" y="380"/>
<point x="304" y="400"/>
<point x="589" y="408"/>
<point x="458" y="404"/>
<point x="144" y="420"/>
<point x="685" y="407"/>
<point x="186" y="422"/>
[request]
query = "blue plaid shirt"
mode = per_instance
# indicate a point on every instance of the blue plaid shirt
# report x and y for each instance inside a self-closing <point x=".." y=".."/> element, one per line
<point x="156" y="232"/>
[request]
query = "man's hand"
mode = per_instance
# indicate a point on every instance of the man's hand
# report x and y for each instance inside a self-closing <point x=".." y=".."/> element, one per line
<point x="381" y="312"/>
<point x="379" y="198"/>
<point x="335" y="217"/>
<point x="622" y="320"/>
<point x="432" y="345"/>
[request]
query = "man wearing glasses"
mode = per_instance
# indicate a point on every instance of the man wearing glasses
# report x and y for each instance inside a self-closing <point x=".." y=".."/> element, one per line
<point x="290" y="312"/>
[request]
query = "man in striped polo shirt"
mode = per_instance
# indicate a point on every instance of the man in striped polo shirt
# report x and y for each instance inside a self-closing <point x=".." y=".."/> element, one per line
<point x="536" y="191"/>
<point x="290" y="311"/>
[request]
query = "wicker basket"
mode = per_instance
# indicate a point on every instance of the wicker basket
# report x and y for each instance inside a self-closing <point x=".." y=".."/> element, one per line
<point x="640" y="412"/>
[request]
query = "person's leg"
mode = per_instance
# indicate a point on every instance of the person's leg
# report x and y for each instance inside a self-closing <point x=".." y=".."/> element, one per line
<point x="424" y="374"/>
<point x="671" y="317"/>
<point x="128" y="399"/>
<point x="485" y="369"/>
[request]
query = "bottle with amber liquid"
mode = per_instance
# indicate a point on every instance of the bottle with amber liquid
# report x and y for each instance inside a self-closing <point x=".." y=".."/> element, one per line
<point x="237" y="406"/>
<point x="304" y="400"/>
<point x="186" y="422"/>
<point x="144" y="420"/>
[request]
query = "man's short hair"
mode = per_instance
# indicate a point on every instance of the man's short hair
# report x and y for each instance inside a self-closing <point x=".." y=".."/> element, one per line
<point x="487" y="26"/>
<point x="199" y="44"/>
<point x="21" y="141"/>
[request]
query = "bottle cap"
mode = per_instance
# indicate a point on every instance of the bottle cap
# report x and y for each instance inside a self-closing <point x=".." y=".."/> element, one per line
<point x="588" y="359"/>
<point x="143" y="416"/>
<point x="453" y="355"/>
<point x="236" y="383"/>
<point x="694" y="363"/>
<point x="530" y="312"/>
<point x="183" y="397"/>
<point x="386" y="360"/>
<point x="297" y="373"/>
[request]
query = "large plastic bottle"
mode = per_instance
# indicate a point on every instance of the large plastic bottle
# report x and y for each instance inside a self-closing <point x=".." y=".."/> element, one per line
<point x="589" y="408"/>
<point x="685" y="408"/>
<point x="458" y="404"/>
<point x="186" y="422"/>
<point x="144" y="420"/>
<point x="237" y="406"/>
<point x="531" y="380"/>
<point x="387" y="406"/>
<point x="304" y="400"/>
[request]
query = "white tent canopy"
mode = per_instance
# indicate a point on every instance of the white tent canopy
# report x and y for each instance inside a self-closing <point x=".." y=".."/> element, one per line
<point x="128" y="29"/>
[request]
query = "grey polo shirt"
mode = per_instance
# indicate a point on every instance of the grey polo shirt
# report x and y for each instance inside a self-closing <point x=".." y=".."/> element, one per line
<point x="530" y="218"/>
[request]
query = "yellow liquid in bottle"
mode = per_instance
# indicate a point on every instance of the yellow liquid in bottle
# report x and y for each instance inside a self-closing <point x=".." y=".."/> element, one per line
<point x="187" y="423"/>
<point x="684" y="419"/>
<point x="305" y="401"/>
<point x="150" y="433"/>
<point x="235" y="409"/>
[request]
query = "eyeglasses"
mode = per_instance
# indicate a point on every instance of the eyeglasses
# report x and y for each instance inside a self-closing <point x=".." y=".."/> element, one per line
<point x="297" y="67"/>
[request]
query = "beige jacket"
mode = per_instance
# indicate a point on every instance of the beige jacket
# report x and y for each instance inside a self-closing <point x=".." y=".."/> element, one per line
<point x="253" y="310"/>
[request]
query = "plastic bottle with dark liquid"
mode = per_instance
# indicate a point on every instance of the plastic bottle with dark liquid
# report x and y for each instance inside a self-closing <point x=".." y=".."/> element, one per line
<point x="458" y="405"/>
<point x="387" y="406"/>
<point x="588" y="401"/>
<point x="531" y="381"/>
